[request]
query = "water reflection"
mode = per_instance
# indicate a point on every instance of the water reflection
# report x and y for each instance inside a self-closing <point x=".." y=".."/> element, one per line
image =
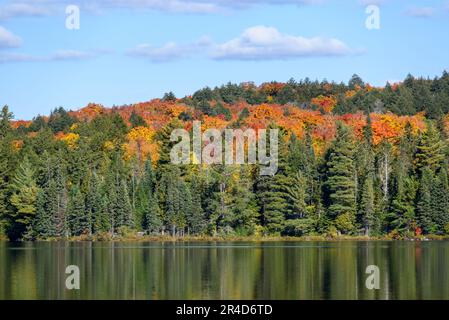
<point x="225" y="270"/>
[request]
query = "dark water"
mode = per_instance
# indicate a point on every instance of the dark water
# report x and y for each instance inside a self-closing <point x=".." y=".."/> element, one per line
<point x="225" y="270"/>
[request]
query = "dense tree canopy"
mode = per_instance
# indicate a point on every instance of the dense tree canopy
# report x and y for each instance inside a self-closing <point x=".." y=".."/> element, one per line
<point x="353" y="159"/>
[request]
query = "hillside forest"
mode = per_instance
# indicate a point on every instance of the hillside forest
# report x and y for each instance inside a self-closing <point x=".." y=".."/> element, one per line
<point x="354" y="160"/>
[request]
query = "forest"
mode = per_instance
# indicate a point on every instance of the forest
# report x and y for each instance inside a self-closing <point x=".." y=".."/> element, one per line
<point x="354" y="160"/>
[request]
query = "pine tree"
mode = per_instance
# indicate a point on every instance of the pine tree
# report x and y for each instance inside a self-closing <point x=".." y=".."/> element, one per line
<point x="153" y="222"/>
<point x="401" y="214"/>
<point x="5" y="122"/>
<point x="430" y="150"/>
<point x="4" y="176"/>
<point x="296" y="193"/>
<point x="136" y="120"/>
<point x="119" y="204"/>
<point x="219" y="209"/>
<point x="173" y="204"/>
<point x="44" y="226"/>
<point x="365" y="164"/>
<point x="6" y="153"/>
<point x="302" y="159"/>
<point x="124" y="215"/>
<point x="367" y="206"/>
<point x="145" y="193"/>
<point x="23" y="199"/>
<point x="340" y="184"/>
<point x="195" y="218"/>
<point x="424" y="202"/>
<point x="166" y="145"/>
<point x="95" y="208"/>
<point x="272" y="193"/>
<point x="77" y="218"/>
<point x="245" y="212"/>
<point x="440" y="201"/>
<point x="58" y="197"/>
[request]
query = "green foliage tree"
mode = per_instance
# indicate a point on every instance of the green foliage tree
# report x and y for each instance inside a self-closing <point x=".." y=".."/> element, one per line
<point x="340" y="179"/>
<point x="136" y="120"/>
<point x="79" y="222"/>
<point x="23" y="199"/>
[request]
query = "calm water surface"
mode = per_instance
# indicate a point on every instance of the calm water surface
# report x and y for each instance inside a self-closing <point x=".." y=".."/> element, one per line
<point x="225" y="270"/>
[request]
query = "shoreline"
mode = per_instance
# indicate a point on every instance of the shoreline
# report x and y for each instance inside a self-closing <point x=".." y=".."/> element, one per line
<point x="235" y="239"/>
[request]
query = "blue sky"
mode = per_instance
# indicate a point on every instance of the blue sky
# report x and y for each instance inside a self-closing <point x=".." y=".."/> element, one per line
<point x="135" y="50"/>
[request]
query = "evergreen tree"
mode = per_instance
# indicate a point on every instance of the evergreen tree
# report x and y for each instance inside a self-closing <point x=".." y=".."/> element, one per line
<point x="340" y="184"/>
<point x="297" y="196"/>
<point x="169" y="97"/>
<point x="424" y="202"/>
<point x="244" y="208"/>
<point x="95" y="208"/>
<point x="77" y="217"/>
<point x="23" y="199"/>
<point x="401" y="215"/>
<point x="5" y="122"/>
<point x="367" y="207"/>
<point x="391" y="186"/>
<point x="44" y="226"/>
<point x="272" y="193"/>
<point x="365" y="163"/>
<point x="440" y="201"/>
<point x="195" y="217"/>
<point x="220" y="214"/>
<point x="430" y="150"/>
<point x="172" y="201"/>
<point x="136" y="120"/>
<point x="153" y="222"/>
<point x="6" y="153"/>
<point x="4" y="192"/>
<point x="124" y="211"/>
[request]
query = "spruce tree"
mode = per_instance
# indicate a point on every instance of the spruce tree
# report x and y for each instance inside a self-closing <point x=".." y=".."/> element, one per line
<point x="23" y="199"/>
<point x="195" y="217"/>
<point x="5" y="122"/>
<point x="430" y="151"/>
<point x="365" y="163"/>
<point x="77" y="218"/>
<point x="124" y="216"/>
<point x="145" y="193"/>
<point x="95" y="207"/>
<point x="153" y="222"/>
<point x="440" y="201"/>
<point x="370" y="221"/>
<point x="44" y="226"/>
<point x="424" y="202"/>
<point x="340" y="184"/>
<point x="4" y="173"/>
<point x="272" y="193"/>
<point x="401" y="215"/>
<point x="245" y="212"/>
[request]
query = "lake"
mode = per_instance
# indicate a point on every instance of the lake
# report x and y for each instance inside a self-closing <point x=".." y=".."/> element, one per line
<point x="225" y="270"/>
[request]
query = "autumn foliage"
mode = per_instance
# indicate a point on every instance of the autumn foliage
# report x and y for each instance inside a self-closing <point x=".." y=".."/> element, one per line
<point x="321" y="122"/>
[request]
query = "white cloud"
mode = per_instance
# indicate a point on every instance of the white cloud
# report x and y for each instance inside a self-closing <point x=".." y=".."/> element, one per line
<point x="171" y="51"/>
<point x="255" y="43"/>
<point x="420" y="12"/>
<point x="168" y="52"/>
<point x="8" y="39"/>
<point x="267" y="43"/>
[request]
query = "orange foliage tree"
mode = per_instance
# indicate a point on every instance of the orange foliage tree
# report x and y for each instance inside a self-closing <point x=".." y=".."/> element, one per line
<point x="141" y="144"/>
<point x="326" y="104"/>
